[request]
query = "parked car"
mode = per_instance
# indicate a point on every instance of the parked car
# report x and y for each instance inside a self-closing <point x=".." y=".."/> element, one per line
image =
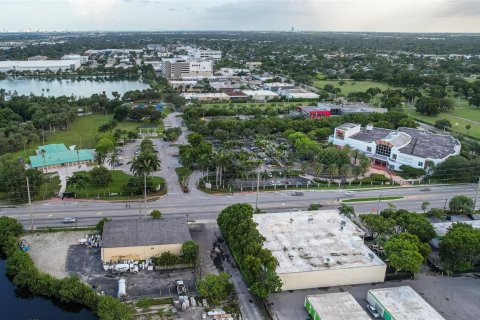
<point x="69" y="220"/>
<point x="373" y="311"/>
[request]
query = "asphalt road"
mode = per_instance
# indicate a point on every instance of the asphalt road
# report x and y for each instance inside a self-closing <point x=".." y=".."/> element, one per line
<point x="201" y="206"/>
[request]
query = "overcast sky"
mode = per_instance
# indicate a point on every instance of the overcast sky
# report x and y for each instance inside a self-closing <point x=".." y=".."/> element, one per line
<point x="317" y="15"/>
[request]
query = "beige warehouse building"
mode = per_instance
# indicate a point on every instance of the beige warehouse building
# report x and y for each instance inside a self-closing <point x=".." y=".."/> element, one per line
<point x="143" y="239"/>
<point x="318" y="249"/>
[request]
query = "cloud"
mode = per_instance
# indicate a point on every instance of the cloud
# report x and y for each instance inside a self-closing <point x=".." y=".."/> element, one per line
<point x="461" y="8"/>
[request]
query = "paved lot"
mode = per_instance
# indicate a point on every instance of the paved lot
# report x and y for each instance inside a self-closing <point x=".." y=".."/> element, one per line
<point x="85" y="262"/>
<point x="49" y="250"/>
<point x="202" y="234"/>
<point x="454" y="297"/>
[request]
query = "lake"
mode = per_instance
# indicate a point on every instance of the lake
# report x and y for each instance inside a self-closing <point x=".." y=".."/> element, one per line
<point x="16" y="305"/>
<point x="67" y="87"/>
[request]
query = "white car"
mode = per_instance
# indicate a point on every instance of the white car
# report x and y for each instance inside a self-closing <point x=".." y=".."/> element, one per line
<point x="69" y="220"/>
<point x="373" y="311"/>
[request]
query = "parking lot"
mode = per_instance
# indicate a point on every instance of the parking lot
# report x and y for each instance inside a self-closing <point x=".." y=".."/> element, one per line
<point x="85" y="262"/>
<point x="453" y="297"/>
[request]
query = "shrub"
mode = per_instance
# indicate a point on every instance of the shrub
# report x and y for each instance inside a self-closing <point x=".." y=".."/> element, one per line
<point x="155" y="214"/>
<point x="100" y="224"/>
<point x="166" y="259"/>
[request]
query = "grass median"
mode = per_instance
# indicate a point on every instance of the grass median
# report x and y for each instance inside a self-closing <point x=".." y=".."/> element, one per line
<point x="372" y="199"/>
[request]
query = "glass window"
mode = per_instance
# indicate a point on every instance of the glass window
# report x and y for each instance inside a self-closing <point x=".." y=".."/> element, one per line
<point x="369" y="149"/>
<point x="420" y="164"/>
<point x="383" y="150"/>
<point x="394" y="157"/>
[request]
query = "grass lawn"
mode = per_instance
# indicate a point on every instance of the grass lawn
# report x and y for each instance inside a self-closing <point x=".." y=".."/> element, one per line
<point x="82" y="132"/>
<point x="352" y="86"/>
<point x="372" y="199"/>
<point x="459" y="119"/>
<point x="119" y="180"/>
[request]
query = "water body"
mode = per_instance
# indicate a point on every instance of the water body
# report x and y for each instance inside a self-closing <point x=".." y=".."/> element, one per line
<point x="16" y="305"/>
<point x="67" y="87"/>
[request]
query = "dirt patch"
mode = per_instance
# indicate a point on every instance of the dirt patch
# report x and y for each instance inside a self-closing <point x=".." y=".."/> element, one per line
<point x="49" y="250"/>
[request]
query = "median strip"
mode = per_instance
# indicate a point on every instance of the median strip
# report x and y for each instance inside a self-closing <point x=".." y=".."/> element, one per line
<point x="372" y="199"/>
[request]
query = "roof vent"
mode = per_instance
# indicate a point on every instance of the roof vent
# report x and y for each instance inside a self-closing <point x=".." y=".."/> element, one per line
<point x="371" y="256"/>
<point x="369" y="127"/>
<point x="342" y="224"/>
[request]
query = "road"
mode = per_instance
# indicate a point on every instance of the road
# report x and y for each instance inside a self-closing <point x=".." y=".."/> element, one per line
<point x="201" y="206"/>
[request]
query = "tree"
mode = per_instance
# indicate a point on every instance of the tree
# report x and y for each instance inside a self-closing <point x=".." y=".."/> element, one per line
<point x="460" y="248"/>
<point x="425" y="205"/>
<point x="112" y="160"/>
<point x="144" y="164"/>
<point x="155" y="214"/>
<point x="109" y="308"/>
<point x="189" y="252"/>
<point x="100" y="224"/>
<point x="9" y="227"/>
<point x="172" y="134"/>
<point x="166" y="259"/>
<point x="377" y="225"/>
<point x="100" y="177"/>
<point x="461" y="204"/>
<point x="346" y="210"/>
<point x="443" y="124"/>
<point x="403" y="253"/>
<point x="468" y="127"/>
<point x="215" y="288"/>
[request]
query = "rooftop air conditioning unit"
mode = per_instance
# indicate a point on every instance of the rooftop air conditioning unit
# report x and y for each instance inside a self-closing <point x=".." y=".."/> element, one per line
<point x="369" y="127"/>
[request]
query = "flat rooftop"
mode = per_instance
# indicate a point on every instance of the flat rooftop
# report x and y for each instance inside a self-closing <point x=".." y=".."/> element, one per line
<point x="441" y="228"/>
<point x="314" y="240"/>
<point x="428" y="145"/>
<point x="404" y="303"/>
<point x="146" y="232"/>
<point x="337" y="306"/>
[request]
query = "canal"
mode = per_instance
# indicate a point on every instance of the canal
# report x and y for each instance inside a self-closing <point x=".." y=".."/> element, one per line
<point x="17" y="305"/>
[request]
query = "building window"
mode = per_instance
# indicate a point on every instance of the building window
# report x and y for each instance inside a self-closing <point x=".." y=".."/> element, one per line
<point x="420" y="164"/>
<point x="339" y="134"/>
<point x="394" y="157"/>
<point x="369" y="149"/>
<point x="383" y="150"/>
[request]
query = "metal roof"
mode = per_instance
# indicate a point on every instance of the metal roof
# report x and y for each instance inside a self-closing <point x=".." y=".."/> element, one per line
<point x="146" y="232"/>
<point x="58" y="154"/>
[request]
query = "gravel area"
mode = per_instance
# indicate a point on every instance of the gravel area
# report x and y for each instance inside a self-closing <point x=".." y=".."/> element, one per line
<point x="49" y="250"/>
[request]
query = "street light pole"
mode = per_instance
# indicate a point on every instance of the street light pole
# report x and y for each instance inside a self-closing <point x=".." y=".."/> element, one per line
<point x="378" y="205"/>
<point x="476" y="195"/>
<point x="30" y="205"/>
<point x="258" y="188"/>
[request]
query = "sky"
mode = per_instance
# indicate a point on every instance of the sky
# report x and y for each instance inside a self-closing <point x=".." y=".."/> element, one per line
<point x="267" y="15"/>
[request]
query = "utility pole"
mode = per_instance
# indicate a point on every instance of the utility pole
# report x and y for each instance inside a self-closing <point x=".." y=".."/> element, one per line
<point x="145" y="192"/>
<point x="258" y="188"/>
<point x="476" y="195"/>
<point x="30" y="205"/>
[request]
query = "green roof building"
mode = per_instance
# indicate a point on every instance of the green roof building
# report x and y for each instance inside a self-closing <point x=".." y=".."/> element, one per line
<point x="55" y="155"/>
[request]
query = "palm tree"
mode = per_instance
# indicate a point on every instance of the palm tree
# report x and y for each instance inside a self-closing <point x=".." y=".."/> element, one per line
<point x="332" y="170"/>
<point x="42" y="151"/>
<point x="222" y="160"/>
<point x="318" y="169"/>
<point x="204" y="163"/>
<point x="144" y="164"/>
<point x="364" y="163"/>
<point x="112" y="159"/>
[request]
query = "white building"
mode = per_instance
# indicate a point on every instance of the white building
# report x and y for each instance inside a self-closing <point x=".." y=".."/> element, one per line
<point x="318" y="249"/>
<point x="232" y="71"/>
<point x="210" y="96"/>
<point x="394" y="148"/>
<point x="39" y="65"/>
<point x="180" y="68"/>
<point x="401" y="303"/>
<point x="261" y="95"/>
<point x="298" y="94"/>
<point x="205" y="54"/>
<point x="334" y="306"/>
<point x="276" y="86"/>
<point x="82" y="59"/>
